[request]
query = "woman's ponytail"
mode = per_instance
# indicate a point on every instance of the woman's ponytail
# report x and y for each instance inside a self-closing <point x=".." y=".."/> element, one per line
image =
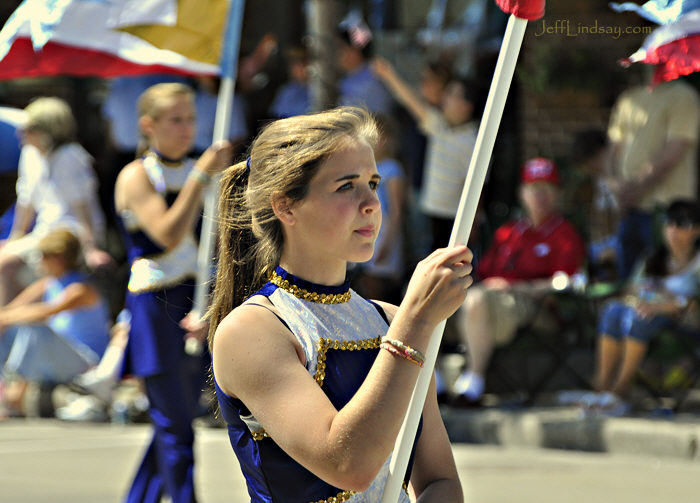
<point x="235" y="275"/>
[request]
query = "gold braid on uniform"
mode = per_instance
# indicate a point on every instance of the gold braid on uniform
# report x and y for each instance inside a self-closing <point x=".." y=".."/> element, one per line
<point x="301" y="293"/>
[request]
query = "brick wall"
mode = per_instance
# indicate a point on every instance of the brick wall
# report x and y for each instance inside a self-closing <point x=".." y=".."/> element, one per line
<point x="569" y="77"/>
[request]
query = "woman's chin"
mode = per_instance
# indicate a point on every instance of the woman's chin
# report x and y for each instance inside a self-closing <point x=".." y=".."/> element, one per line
<point x="362" y="256"/>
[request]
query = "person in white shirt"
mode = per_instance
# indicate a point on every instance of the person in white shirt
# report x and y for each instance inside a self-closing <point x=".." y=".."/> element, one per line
<point x="56" y="188"/>
<point x="451" y="132"/>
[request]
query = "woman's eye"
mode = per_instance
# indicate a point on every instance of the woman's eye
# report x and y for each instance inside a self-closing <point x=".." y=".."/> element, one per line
<point x="345" y="186"/>
<point x="374" y="184"/>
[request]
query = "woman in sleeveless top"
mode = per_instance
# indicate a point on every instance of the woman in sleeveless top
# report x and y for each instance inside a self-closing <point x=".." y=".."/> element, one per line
<point x="663" y="292"/>
<point x="312" y="379"/>
<point x="159" y="199"/>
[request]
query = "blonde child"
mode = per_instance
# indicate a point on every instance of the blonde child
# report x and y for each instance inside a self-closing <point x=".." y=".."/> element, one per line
<point x="57" y="327"/>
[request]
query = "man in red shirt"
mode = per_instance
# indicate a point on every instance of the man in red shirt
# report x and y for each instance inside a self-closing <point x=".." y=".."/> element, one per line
<point x="515" y="272"/>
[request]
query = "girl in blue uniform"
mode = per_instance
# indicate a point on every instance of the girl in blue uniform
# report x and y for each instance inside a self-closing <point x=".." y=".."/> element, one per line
<point x="158" y="198"/>
<point x="312" y="379"/>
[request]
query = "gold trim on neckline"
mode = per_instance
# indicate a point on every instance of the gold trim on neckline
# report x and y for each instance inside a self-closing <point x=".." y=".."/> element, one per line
<point x="301" y="293"/>
<point x="346" y="495"/>
<point x="259" y="435"/>
<point x="338" y="498"/>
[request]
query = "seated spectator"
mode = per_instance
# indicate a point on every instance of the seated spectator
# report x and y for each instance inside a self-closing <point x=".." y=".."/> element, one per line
<point x="293" y="97"/>
<point x="452" y="135"/>
<point x="515" y="273"/>
<point x="56" y="188"/>
<point x="57" y="327"/>
<point x="662" y="291"/>
<point x="359" y="86"/>
<point x="380" y="277"/>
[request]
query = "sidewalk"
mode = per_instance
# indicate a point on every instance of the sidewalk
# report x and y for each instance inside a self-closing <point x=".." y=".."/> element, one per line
<point x="47" y="460"/>
<point x="650" y="431"/>
<point x="656" y="434"/>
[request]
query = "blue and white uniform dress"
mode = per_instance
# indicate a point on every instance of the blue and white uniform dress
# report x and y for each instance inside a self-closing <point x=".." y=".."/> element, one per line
<point x="340" y="333"/>
<point x="159" y="294"/>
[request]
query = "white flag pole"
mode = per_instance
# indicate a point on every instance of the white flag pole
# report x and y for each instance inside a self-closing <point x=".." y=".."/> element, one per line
<point x="222" y="122"/>
<point x="476" y="175"/>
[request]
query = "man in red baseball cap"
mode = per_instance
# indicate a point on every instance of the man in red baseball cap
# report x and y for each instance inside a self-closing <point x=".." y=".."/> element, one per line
<point x="515" y="272"/>
<point x="540" y="169"/>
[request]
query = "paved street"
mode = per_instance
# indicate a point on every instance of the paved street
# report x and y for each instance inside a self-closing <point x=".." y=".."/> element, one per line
<point x="46" y="460"/>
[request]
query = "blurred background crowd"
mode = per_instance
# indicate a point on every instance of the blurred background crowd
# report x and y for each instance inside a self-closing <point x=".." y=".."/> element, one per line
<point x="593" y="179"/>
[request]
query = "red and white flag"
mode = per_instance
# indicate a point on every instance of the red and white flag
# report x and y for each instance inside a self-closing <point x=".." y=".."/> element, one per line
<point x="115" y="37"/>
<point x="674" y="48"/>
<point x="658" y="11"/>
<point x="524" y="9"/>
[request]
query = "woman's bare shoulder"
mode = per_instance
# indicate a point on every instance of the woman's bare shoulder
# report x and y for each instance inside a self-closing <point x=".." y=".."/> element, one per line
<point x="132" y="171"/>
<point x="131" y="181"/>
<point x="248" y="319"/>
<point x="246" y="340"/>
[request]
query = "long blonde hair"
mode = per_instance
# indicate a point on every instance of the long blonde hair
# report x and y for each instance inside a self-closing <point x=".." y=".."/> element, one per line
<point x="155" y="100"/>
<point x="283" y="159"/>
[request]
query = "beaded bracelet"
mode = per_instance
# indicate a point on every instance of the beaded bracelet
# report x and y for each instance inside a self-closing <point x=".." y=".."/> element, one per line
<point x="200" y="176"/>
<point x="406" y="356"/>
<point x="414" y="353"/>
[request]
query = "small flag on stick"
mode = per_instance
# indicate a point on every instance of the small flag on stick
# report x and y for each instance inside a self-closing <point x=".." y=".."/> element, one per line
<point x="673" y="48"/>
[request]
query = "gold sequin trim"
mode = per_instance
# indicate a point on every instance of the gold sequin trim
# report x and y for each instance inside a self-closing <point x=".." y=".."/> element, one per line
<point x="258" y="435"/>
<point x="339" y="498"/>
<point x="346" y="495"/>
<point x="325" y="344"/>
<point x="320" y="298"/>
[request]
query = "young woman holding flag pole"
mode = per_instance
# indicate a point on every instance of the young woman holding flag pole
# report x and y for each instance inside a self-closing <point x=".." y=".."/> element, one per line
<point x="158" y="198"/>
<point x="310" y="377"/>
